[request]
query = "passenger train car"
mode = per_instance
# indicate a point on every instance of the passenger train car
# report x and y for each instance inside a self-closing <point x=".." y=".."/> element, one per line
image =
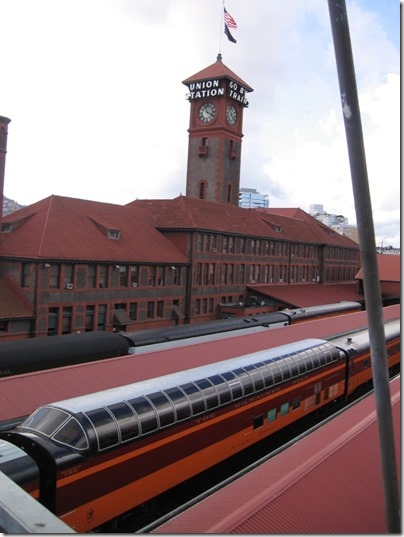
<point x="36" y="354"/>
<point x="102" y="454"/>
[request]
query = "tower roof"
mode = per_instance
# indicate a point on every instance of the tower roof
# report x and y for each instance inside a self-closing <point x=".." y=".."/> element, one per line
<point x="217" y="70"/>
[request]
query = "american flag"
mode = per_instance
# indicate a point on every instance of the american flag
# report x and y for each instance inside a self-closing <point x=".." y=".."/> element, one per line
<point x="228" y="19"/>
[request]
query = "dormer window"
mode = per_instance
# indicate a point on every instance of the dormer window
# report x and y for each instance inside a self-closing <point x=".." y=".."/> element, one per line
<point x="114" y="234"/>
<point x="7" y="227"/>
<point x="278" y="229"/>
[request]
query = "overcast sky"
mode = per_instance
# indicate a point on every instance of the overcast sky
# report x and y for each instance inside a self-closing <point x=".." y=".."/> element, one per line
<point x="94" y="91"/>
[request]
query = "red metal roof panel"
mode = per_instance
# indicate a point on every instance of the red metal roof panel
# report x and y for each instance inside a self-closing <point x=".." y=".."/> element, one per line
<point x="20" y="395"/>
<point x="310" y="294"/>
<point x="328" y="482"/>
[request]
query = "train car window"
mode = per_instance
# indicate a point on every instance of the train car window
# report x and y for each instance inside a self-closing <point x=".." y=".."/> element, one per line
<point x="258" y="422"/>
<point x="209" y="392"/>
<point x="146" y="414"/>
<point x="181" y="403"/>
<point x="267" y="376"/>
<point x="271" y="415"/>
<point x="307" y="360"/>
<point x="246" y="381"/>
<point x="234" y="385"/>
<point x="164" y="407"/>
<point x="256" y="377"/>
<point x="296" y="403"/>
<point x="294" y="369"/>
<point x="284" y="366"/>
<point x="195" y="396"/>
<point x="222" y="388"/>
<point x="315" y="357"/>
<point x="127" y="421"/>
<point x="105" y="427"/>
<point x="276" y="372"/>
<point x="72" y="434"/>
<point x="45" y="420"/>
<point x="284" y="409"/>
<point x="300" y="363"/>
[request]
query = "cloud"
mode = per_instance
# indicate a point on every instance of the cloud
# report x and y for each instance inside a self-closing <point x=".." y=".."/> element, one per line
<point x="99" y="112"/>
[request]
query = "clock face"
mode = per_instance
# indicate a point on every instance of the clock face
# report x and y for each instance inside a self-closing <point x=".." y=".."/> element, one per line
<point x="231" y="115"/>
<point x="207" y="112"/>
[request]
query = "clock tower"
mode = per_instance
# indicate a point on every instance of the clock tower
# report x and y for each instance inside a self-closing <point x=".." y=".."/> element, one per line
<point x="218" y="98"/>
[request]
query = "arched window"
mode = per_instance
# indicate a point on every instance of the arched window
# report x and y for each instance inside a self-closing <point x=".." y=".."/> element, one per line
<point x="202" y="190"/>
<point x="229" y="192"/>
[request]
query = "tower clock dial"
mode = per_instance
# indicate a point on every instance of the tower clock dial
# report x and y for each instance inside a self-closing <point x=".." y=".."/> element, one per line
<point x="231" y="115"/>
<point x="207" y="112"/>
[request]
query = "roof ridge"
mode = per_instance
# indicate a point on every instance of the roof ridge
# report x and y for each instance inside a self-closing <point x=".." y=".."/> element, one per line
<point x="45" y="225"/>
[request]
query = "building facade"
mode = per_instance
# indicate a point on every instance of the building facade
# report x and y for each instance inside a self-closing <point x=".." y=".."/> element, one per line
<point x="69" y="265"/>
<point x="249" y="198"/>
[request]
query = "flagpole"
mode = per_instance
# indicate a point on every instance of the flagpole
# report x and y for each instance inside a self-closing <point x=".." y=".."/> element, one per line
<point x="221" y="28"/>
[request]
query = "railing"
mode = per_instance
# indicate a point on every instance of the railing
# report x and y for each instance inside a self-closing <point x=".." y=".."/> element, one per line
<point x="21" y="513"/>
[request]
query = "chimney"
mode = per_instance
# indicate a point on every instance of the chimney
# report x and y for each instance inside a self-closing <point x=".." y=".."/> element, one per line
<point x="4" y="121"/>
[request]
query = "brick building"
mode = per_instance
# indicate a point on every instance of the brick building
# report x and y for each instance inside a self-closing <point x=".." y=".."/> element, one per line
<point x="71" y="265"/>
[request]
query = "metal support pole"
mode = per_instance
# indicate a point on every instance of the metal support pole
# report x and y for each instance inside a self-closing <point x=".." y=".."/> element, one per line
<point x="367" y="245"/>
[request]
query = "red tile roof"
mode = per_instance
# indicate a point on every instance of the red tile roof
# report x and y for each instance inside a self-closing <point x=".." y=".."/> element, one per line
<point x="67" y="228"/>
<point x="389" y="267"/>
<point x="13" y="304"/>
<point x="305" y="295"/>
<point x="328" y="482"/>
<point x="216" y="70"/>
<point x="190" y="213"/>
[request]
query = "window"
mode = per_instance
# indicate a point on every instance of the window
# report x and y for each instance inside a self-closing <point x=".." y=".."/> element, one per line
<point x="258" y="422"/>
<point x="176" y="275"/>
<point x="271" y="415"/>
<point x="103" y="276"/>
<point x="160" y="276"/>
<point x="198" y="274"/>
<point x="102" y="315"/>
<point x="151" y="277"/>
<point x="160" y="308"/>
<point x="284" y="409"/>
<point x="67" y="321"/>
<point x="123" y="275"/>
<point x="212" y="268"/>
<point x="134" y="275"/>
<point x="195" y="397"/>
<point x="68" y="274"/>
<point x="146" y="414"/>
<point x="164" y="407"/>
<point x="105" y="428"/>
<point x="295" y="403"/>
<point x="127" y="421"/>
<point x="53" y="314"/>
<point x="91" y="276"/>
<point x="180" y="402"/>
<point x="150" y="310"/>
<point x="202" y="190"/>
<point x="54" y="276"/>
<point x="26" y="275"/>
<point x="229" y="193"/>
<point x="89" y="326"/>
<point x="133" y="311"/>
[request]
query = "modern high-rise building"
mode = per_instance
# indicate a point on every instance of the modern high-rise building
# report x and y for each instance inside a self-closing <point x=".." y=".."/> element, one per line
<point x="250" y="198"/>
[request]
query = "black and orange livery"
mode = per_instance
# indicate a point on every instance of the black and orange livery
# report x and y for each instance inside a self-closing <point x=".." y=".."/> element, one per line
<point x="102" y="454"/>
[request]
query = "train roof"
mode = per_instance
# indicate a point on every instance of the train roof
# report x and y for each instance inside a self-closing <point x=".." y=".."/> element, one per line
<point x="328" y="481"/>
<point x="128" y="391"/>
<point x="22" y="394"/>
